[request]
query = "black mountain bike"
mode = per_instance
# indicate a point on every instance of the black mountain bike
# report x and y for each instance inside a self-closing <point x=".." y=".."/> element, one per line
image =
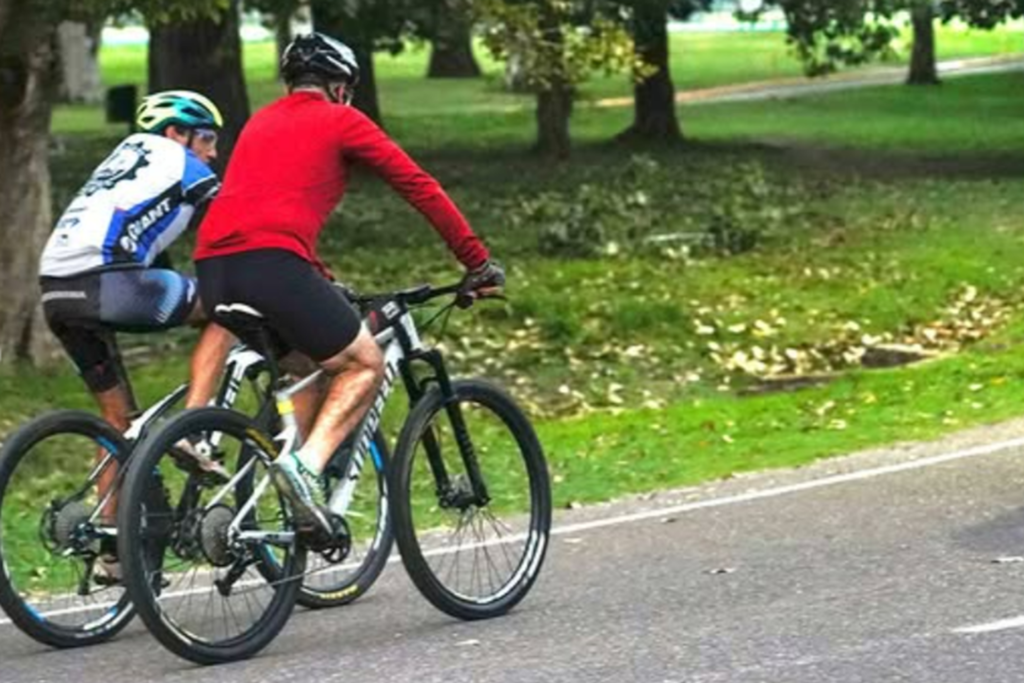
<point x="470" y="500"/>
<point x="52" y="532"/>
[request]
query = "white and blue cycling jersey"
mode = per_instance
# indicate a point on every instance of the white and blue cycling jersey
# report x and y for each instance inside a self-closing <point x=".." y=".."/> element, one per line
<point x="135" y="204"/>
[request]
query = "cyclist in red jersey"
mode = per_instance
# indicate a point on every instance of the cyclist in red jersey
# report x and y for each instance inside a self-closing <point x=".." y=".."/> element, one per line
<point x="257" y="244"/>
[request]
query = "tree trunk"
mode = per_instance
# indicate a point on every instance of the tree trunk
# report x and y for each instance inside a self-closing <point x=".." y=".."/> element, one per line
<point x="205" y="56"/>
<point x="554" y="108"/>
<point x="327" y="19"/>
<point x="923" y="70"/>
<point x="366" y="94"/>
<point x="282" y="36"/>
<point x="28" y="75"/>
<point x="80" y="68"/>
<point x="654" y="99"/>
<point x="554" y="101"/>
<point x="451" y="54"/>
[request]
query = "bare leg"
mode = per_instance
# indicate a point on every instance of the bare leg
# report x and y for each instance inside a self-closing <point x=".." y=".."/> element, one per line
<point x="357" y="372"/>
<point x="207" y="364"/>
<point x="307" y="404"/>
<point x="116" y="405"/>
<point x="308" y="401"/>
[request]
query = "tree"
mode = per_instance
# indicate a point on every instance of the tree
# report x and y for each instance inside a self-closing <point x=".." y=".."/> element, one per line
<point x="923" y="69"/>
<point x="277" y="16"/>
<point x="559" y="44"/>
<point x="204" y="54"/>
<point x="78" y="47"/>
<point x="365" y="26"/>
<point x="654" y="95"/>
<point x="828" y="34"/>
<point x="449" y="28"/>
<point x="982" y="13"/>
<point x="28" y="77"/>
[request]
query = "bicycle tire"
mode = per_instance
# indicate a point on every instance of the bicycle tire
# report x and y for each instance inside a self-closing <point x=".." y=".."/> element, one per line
<point x="133" y="550"/>
<point x="483" y="395"/>
<point x="356" y="584"/>
<point x="31" y="621"/>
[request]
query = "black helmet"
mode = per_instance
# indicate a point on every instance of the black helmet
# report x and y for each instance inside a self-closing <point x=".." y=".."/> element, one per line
<point x="322" y="56"/>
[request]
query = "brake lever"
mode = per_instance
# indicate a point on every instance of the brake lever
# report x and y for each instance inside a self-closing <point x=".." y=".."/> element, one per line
<point x="466" y="299"/>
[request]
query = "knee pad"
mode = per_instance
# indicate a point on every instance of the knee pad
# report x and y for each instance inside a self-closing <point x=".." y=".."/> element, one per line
<point x="102" y="376"/>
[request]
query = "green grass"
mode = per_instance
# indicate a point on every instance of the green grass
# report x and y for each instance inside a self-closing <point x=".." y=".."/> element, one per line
<point x="603" y="456"/>
<point x="964" y="114"/>
<point x="979" y="114"/>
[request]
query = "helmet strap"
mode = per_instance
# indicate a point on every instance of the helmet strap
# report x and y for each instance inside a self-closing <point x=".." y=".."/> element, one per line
<point x="339" y="93"/>
<point x="334" y="92"/>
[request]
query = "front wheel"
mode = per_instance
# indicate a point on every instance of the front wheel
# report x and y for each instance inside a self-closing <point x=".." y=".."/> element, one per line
<point x="472" y="500"/>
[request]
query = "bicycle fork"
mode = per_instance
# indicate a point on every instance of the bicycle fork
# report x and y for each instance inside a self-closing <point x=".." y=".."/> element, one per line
<point x="447" y="493"/>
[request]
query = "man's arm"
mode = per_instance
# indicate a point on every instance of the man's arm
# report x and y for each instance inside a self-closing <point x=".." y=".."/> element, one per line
<point x="365" y="142"/>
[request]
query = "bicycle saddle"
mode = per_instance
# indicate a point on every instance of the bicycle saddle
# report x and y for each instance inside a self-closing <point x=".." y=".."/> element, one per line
<point x="239" y="317"/>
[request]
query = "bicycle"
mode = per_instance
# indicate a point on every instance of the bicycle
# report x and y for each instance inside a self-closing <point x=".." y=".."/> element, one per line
<point x="47" y="582"/>
<point x="246" y="556"/>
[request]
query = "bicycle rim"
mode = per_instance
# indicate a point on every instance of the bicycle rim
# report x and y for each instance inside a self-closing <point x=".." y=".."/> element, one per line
<point x="52" y="530"/>
<point x="201" y="590"/>
<point x="472" y="558"/>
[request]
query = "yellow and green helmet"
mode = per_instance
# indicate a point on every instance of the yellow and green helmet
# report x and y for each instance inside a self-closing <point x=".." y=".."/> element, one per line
<point x="179" y="108"/>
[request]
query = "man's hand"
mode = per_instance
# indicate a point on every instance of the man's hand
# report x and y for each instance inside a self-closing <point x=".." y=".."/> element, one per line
<point x="486" y="281"/>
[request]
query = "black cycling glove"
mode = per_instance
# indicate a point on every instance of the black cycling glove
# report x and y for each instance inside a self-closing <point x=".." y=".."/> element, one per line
<point x="488" y="276"/>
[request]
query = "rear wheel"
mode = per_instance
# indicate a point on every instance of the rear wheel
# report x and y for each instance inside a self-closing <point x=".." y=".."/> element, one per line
<point x="52" y="531"/>
<point x="472" y="551"/>
<point x="197" y="560"/>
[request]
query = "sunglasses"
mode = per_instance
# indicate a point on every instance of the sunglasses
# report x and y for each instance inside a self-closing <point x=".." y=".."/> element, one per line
<point x="206" y="135"/>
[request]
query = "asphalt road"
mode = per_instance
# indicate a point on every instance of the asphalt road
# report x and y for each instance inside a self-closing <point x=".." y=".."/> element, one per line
<point x="849" y="81"/>
<point x="865" y="568"/>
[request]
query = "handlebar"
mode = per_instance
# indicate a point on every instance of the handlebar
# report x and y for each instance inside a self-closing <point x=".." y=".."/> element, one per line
<point x="419" y="294"/>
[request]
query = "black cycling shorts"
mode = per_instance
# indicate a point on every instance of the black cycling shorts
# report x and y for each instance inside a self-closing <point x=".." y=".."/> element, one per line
<point x="85" y="311"/>
<point x="302" y="308"/>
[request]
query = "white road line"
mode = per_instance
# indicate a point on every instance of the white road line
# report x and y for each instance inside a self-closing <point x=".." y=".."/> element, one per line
<point x="823" y="482"/>
<point x="920" y="463"/>
<point x="1001" y="625"/>
<point x="102" y="606"/>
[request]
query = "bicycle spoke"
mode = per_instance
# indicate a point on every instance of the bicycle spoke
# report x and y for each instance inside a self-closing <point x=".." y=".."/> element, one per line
<point x="216" y="585"/>
<point x="485" y="560"/>
<point x="49" y="506"/>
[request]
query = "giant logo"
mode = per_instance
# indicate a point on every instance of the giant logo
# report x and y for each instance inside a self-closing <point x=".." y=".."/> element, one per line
<point x="135" y="228"/>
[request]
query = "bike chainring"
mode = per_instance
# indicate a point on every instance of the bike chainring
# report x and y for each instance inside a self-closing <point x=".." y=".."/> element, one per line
<point x="336" y="547"/>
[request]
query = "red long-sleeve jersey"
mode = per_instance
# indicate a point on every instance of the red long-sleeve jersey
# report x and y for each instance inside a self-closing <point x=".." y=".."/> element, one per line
<point x="289" y="170"/>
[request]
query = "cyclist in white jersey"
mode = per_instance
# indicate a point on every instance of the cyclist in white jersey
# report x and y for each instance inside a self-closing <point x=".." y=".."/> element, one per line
<point x="97" y="271"/>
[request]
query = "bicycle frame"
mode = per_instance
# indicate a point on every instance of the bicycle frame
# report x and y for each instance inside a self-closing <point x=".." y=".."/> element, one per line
<point x="239" y="364"/>
<point x="401" y="345"/>
<point x="289" y="437"/>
